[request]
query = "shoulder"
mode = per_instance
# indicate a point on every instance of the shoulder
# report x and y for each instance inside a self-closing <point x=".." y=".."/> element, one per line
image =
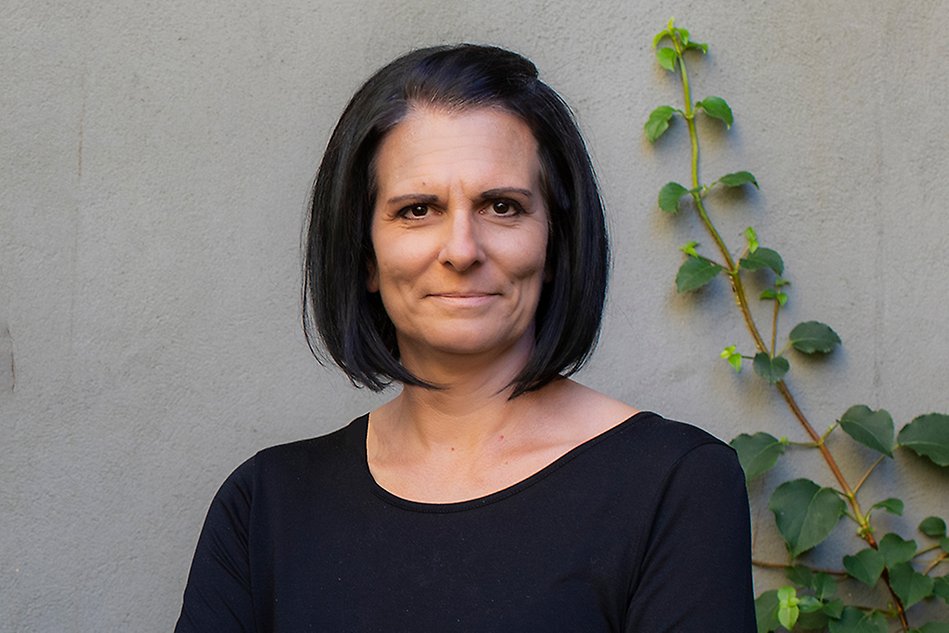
<point x="654" y="457"/>
<point x="668" y="441"/>
<point x="291" y="465"/>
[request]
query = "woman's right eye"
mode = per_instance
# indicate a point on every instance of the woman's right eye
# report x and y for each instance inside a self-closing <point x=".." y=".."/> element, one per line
<point x="414" y="211"/>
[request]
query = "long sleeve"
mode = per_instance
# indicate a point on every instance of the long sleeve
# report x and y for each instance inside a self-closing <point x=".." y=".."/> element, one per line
<point x="218" y="594"/>
<point x="696" y="576"/>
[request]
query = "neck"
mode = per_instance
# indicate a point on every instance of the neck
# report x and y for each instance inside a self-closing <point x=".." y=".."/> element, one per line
<point x="471" y="407"/>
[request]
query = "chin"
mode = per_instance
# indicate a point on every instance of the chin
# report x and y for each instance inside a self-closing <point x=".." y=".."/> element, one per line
<point x="473" y="341"/>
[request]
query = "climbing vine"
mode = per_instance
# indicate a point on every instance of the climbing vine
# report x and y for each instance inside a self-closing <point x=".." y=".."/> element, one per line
<point x="902" y="572"/>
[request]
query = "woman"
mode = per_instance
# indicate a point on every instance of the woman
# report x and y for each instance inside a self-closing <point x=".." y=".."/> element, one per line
<point x="457" y="246"/>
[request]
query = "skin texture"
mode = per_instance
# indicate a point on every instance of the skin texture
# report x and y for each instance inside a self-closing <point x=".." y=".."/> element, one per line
<point x="460" y="232"/>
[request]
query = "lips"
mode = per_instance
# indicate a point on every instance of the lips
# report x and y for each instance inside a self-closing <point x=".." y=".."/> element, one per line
<point x="463" y="299"/>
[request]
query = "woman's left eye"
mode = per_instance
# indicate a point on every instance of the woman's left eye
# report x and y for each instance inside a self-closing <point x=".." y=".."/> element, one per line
<point x="505" y="208"/>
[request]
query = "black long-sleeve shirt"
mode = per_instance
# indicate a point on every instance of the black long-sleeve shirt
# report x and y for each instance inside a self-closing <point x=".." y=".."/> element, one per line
<point x="642" y="529"/>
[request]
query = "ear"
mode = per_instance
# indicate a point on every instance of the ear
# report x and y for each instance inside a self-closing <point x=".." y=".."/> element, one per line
<point x="372" y="276"/>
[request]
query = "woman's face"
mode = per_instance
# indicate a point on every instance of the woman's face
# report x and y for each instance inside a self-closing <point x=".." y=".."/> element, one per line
<point x="460" y="233"/>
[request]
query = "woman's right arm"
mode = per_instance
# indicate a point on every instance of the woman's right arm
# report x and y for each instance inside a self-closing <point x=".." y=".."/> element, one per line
<point x="218" y="594"/>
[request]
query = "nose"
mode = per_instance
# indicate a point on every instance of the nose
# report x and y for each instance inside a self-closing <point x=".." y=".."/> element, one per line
<point x="461" y="248"/>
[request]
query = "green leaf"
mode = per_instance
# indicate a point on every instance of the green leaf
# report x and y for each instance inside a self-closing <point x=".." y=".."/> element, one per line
<point x="891" y="505"/>
<point x="928" y="436"/>
<point x="738" y="178"/>
<point x="788" y="610"/>
<point x="752" y="238"/>
<point x="941" y="588"/>
<point x="809" y="604"/>
<point x="813" y="337"/>
<point x="771" y="369"/>
<point x="823" y="585"/>
<point x="669" y="196"/>
<point x="799" y="575"/>
<point x="658" y="122"/>
<point x="716" y="108"/>
<point x="689" y="249"/>
<point x="895" y="550"/>
<point x="933" y="627"/>
<point x="871" y="428"/>
<point x="661" y="35"/>
<point x="763" y="258"/>
<point x="853" y="620"/>
<point x="766" y="611"/>
<point x="944" y="544"/>
<point x="805" y="513"/>
<point x="731" y="355"/>
<point x="757" y="453"/>
<point x="866" y="566"/>
<point x="694" y="273"/>
<point x="933" y="526"/>
<point x="834" y="608"/>
<point x="910" y="585"/>
<point x="815" y="621"/>
<point x="774" y="295"/>
<point x="667" y="58"/>
<point x="698" y="45"/>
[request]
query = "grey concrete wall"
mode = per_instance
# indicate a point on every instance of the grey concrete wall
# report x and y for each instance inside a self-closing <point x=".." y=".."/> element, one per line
<point x="156" y="158"/>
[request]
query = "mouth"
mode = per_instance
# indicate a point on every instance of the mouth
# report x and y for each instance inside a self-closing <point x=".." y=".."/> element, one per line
<point x="463" y="299"/>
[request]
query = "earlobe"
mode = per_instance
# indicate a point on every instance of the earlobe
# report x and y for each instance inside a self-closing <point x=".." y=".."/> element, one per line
<point x="372" y="277"/>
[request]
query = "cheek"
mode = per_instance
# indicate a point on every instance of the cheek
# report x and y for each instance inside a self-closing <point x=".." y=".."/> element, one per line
<point x="529" y="258"/>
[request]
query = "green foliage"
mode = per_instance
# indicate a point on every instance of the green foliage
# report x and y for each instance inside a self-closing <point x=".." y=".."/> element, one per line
<point x="928" y="436"/>
<point x="757" y="453"/>
<point x="666" y="58"/>
<point x="788" y="611"/>
<point x="853" y="620"/>
<point x="933" y="627"/>
<point x="766" y="611"/>
<point x="933" y="526"/>
<point x="910" y="585"/>
<point x="731" y="355"/>
<point x="896" y="550"/>
<point x="805" y="513"/>
<point x="771" y="368"/>
<point x="870" y="428"/>
<point x="763" y="258"/>
<point x="773" y="294"/>
<point x="899" y="572"/>
<point x="738" y="178"/>
<point x="669" y="196"/>
<point x="866" y="566"/>
<point x="941" y="588"/>
<point x="695" y="272"/>
<point x="716" y="108"/>
<point x="813" y="337"/>
<point x="658" y="122"/>
<point x="891" y="505"/>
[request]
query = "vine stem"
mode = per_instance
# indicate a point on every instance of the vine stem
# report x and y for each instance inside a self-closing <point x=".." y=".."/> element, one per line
<point x="932" y="565"/>
<point x="770" y="565"/>
<point x="741" y="299"/>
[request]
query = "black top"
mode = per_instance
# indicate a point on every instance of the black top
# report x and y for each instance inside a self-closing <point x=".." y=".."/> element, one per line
<point x="643" y="529"/>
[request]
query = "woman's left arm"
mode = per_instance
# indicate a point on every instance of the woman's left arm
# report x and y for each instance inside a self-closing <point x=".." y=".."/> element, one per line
<point x="696" y="575"/>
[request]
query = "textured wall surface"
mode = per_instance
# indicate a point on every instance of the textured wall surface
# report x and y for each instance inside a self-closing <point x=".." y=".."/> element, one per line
<point x="156" y="158"/>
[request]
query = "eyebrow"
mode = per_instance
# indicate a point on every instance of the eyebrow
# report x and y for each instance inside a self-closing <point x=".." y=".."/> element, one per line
<point x="426" y="198"/>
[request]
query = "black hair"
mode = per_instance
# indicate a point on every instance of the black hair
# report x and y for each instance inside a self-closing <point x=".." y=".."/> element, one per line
<point x="351" y="321"/>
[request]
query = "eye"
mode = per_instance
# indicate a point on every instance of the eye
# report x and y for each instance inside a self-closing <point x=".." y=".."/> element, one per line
<point x="414" y="211"/>
<point x="506" y="208"/>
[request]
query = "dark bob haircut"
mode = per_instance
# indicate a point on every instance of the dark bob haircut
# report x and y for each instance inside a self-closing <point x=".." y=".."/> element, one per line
<point x="352" y="322"/>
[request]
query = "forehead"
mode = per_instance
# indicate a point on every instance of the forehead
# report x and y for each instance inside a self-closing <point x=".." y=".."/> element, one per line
<point x="432" y="145"/>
